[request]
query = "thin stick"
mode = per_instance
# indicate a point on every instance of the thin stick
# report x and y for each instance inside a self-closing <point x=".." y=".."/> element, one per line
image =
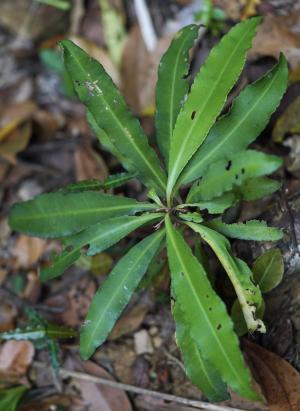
<point x="64" y="373"/>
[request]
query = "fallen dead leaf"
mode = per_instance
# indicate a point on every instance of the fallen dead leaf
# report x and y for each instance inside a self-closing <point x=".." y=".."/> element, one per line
<point x="249" y="8"/>
<point x="28" y="250"/>
<point x="8" y="314"/>
<point x="15" y="358"/>
<point x="279" y="34"/>
<point x="288" y="122"/>
<point x="15" y="142"/>
<point x="95" y="396"/>
<point x="279" y="381"/>
<point x="129" y="321"/>
<point x="139" y="71"/>
<point x="74" y="302"/>
<point x="89" y="164"/>
<point x="53" y="402"/>
<point x="32" y="290"/>
<point x="14" y="115"/>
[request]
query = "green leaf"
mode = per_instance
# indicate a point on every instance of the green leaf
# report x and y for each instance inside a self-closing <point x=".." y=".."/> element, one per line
<point x="172" y="85"/>
<point x="256" y="230"/>
<point x="268" y="269"/>
<point x="238" y="272"/>
<point x="216" y="205"/>
<point x="10" y="398"/>
<point x="59" y="4"/>
<point x="96" y="90"/>
<point x="249" y="115"/>
<point x="57" y="214"/>
<point x="201" y="373"/>
<point x="259" y="187"/>
<point x="205" y="313"/>
<point x="225" y="174"/>
<point x="114" y="295"/>
<point x="99" y="237"/>
<point x="37" y="332"/>
<point x="113" y="181"/>
<point x="208" y="95"/>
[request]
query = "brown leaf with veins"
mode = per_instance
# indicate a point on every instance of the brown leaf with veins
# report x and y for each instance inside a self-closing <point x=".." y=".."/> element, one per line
<point x="15" y="358"/>
<point x="280" y="382"/>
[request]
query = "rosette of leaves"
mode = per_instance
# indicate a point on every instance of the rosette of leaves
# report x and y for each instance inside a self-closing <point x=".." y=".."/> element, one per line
<point x="204" y="154"/>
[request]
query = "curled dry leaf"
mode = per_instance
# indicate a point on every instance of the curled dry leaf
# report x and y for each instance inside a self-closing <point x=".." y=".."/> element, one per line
<point x="94" y="396"/>
<point x="139" y="89"/>
<point x="279" y="33"/>
<point x="279" y="381"/>
<point x="129" y="321"/>
<point x="15" y="358"/>
<point x="89" y="164"/>
<point x="288" y="122"/>
<point x="28" y="250"/>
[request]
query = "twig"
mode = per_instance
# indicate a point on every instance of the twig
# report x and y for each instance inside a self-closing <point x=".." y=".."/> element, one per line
<point x="64" y="373"/>
<point x="145" y="23"/>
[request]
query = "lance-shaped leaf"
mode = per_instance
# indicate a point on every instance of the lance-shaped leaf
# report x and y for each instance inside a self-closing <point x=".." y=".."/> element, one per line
<point x="199" y="370"/>
<point x="249" y="115"/>
<point x="172" y="85"/>
<point x="259" y="187"/>
<point x="256" y="230"/>
<point x="57" y="214"/>
<point x="114" y="295"/>
<point x="97" y="91"/>
<point x="10" y="398"/>
<point x="99" y="237"/>
<point x="223" y="175"/>
<point x="113" y="181"/>
<point x="209" y="322"/>
<point x="37" y="332"/>
<point x="238" y="272"/>
<point x="208" y="95"/>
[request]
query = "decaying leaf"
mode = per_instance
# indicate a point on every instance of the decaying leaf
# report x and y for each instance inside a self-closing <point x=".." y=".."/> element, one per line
<point x="249" y="8"/>
<point x="288" y="122"/>
<point x="96" y="397"/>
<point x="15" y="358"/>
<point x="279" y="381"/>
<point x="279" y="33"/>
<point x="89" y="164"/>
<point x="28" y="250"/>
<point x="129" y="321"/>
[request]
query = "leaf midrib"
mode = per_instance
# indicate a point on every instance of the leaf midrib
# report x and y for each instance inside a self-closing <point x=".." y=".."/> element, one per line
<point x="123" y="129"/>
<point x="79" y="212"/>
<point x="203" y="311"/>
<point x="224" y="139"/>
<point x="193" y="124"/>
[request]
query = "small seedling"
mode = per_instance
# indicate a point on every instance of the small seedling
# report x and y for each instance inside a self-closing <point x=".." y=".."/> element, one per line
<point x="199" y="149"/>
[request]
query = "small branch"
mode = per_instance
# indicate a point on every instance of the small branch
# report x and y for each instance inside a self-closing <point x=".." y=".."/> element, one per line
<point x="145" y="23"/>
<point x="64" y="373"/>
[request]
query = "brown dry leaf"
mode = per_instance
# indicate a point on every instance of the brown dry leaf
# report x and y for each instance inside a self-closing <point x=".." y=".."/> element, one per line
<point x="47" y="123"/>
<point x="89" y="164"/>
<point x="276" y="34"/>
<point x="249" y="8"/>
<point x="16" y="141"/>
<point x="95" y="396"/>
<point x="77" y="302"/>
<point x="15" y="358"/>
<point x="99" y="54"/>
<point x="28" y="250"/>
<point x="129" y="321"/>
<point x="14" y="115"/>
<point x="232" y="8"/>
<point x="279" y="381"/>
<point x="53" y="402"/>
<point x="288" y="122"/>
<point x="8" y="314"/>
<point x="139" y="71"/>
<point x="32" y="290"/>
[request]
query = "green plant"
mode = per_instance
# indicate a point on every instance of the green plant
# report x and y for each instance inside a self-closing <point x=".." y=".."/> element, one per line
<point x="198" y="148"/>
